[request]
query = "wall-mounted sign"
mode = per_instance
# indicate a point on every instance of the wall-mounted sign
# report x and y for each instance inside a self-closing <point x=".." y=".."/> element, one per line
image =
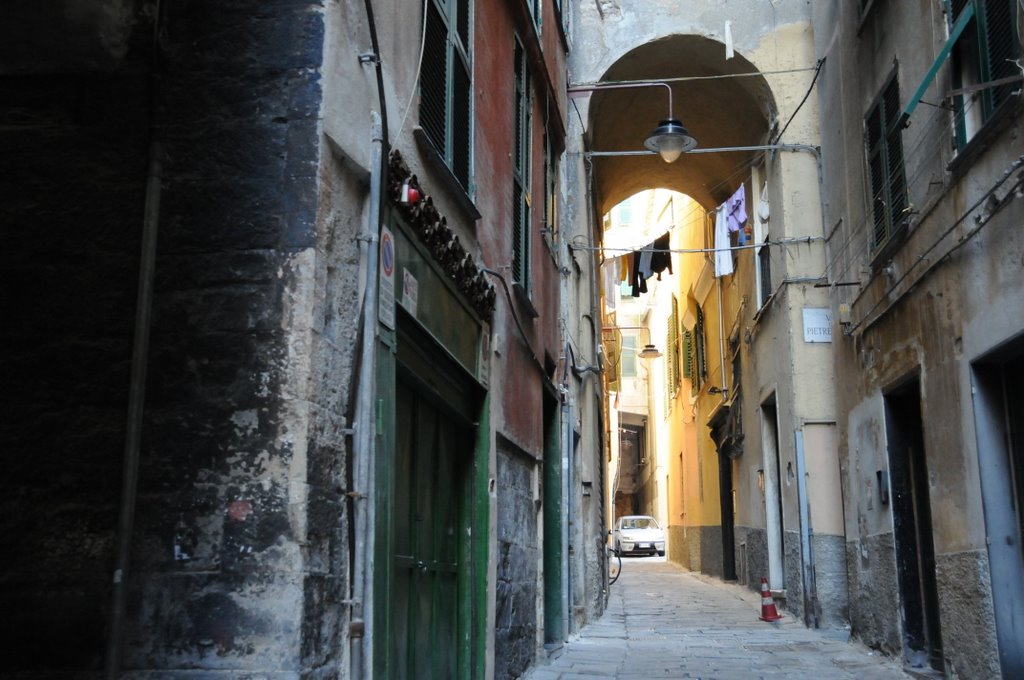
<point x="386" y="299"/>
<point x="817" y="324"/>
<point x="410" y="292"/>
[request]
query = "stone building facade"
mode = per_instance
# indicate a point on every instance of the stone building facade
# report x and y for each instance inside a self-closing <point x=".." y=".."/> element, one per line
<point x="336" y="384"/>
<point x="922" y="120"/>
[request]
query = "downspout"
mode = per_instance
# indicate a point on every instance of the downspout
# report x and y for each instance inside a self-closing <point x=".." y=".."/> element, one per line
<point x="595" y="304"/>
<point x="810" y="589"/>
<point x="566" y="517"/>
<point x="136" y="398"/>
<point x="365" y="425"/>
<point x="137" y="384"/>
<point x="721" y="342"/>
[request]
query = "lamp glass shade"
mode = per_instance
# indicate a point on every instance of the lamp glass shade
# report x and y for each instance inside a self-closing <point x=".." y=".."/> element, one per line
<point x="649" y="352"/>
<point x="670" y="139"/>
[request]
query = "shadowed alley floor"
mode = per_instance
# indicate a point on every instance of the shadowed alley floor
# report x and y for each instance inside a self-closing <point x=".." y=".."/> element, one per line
<point x="664" y="622"/>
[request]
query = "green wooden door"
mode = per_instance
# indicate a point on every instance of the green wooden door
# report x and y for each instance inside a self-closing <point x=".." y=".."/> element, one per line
<point x="432" y="468"/>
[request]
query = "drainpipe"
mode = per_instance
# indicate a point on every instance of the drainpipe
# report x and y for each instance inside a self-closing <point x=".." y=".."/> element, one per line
<point x="365" y="426"/>
<point x="721" y="342"/>
<point x="137" y="384"/>
<point x="566" y="508"/>
<point x="136" y="399"/>
<point x="810" y="589"/>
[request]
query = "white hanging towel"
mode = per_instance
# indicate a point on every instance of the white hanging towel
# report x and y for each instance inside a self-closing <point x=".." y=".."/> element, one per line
<point x="723" y="256"/>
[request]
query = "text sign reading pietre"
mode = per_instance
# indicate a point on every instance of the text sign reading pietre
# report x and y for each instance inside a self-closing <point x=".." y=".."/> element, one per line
<point x="817" y="324"/>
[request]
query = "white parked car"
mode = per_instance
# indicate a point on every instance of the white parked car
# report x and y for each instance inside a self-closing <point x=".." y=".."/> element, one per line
<point x="638" y="534"/>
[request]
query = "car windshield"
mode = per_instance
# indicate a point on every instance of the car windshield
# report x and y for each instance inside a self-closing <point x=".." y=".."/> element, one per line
<point x="639" y="523"/>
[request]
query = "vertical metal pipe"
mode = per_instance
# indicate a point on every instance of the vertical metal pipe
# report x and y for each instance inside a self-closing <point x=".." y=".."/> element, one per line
<point x="136" y="399"/>
<point x="721" y="342"/>
<point x="807" y="556"/>
<point x="361" y="622"/>
<point x="566" y="513"/>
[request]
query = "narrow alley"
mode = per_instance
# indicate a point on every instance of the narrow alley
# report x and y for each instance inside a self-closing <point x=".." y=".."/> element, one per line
<point x="665" y="622"/>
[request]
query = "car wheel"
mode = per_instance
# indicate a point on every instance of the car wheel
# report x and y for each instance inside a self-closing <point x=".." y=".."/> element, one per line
<point x="661" y="553"/>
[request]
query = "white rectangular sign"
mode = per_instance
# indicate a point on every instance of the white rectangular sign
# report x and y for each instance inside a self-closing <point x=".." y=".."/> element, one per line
<point x="817" y="324"/>
<point x="410" y="292"/>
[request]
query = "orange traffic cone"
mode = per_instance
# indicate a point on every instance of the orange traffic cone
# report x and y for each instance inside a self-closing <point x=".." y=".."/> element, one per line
<point x="768" y="610"/>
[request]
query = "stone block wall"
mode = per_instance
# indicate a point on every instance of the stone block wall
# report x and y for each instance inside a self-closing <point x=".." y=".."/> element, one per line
<point x="874" y="593"/>
<point x="966" y="615"/>
<point x="516" y="590"/>
<point x="73" y="184"/>
<point x="830" y="580"/>
<point x="756" y="552"/>
<point x="239" y="558"/>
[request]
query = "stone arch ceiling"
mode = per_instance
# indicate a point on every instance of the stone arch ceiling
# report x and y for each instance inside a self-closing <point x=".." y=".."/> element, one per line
<point x="719" y="113"/>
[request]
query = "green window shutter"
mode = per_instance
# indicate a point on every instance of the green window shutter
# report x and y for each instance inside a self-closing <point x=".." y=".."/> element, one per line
<point x="1000" y="47"/>
<point x="445" y="84"/>
<point x="674" y="374"/>
<point x="884" y="138"/>
<point x="687" y="355"/>
<point x="520" y="173"/>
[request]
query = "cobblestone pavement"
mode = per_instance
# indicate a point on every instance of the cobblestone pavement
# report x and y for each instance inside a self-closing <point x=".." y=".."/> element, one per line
<point x="682" y="625"/>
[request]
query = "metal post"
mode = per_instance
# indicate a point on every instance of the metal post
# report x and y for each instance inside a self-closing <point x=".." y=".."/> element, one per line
<point x="810" y="595"/>
<point x="566" y="514"/>
<point x="361" y="621"/>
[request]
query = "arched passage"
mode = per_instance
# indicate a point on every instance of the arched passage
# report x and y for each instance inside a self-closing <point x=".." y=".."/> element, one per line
<point x="719" y="107"/>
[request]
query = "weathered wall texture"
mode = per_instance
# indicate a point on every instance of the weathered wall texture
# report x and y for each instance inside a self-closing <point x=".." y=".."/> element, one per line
<point x="873" y="590"/>
<point x="515" y="635"/>
<point x="73" y="188"/>
<point x="965" y="602"/>
<point x="751" y="544"/>
<point x="830" y="580"/>
<point x="238" y="551"/>
<point x="911" y="312"/>
<point x="226" y="472"/>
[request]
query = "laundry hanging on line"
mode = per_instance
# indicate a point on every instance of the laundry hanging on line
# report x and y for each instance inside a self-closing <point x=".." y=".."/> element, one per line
<point x="730" y="218"/>
<point x="654" y="258"/>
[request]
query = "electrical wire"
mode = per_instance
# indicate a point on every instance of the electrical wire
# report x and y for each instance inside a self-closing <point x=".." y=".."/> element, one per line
<point x="1014" y="167"/>
<point x="858" y="233"/>
<point x="515" y="317"/>
<point x="681" y="79"/>
<point x="691" y="251"/>
<point x="419" y="67"/>
<point x="810" y="88"/>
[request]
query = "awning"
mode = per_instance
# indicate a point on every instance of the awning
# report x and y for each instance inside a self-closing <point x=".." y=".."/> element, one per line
<point x="961" y="24"/>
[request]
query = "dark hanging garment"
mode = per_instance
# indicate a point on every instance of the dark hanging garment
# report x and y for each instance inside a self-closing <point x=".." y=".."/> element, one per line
<point x="662" y="258"/>
<point x="636" y="277"/>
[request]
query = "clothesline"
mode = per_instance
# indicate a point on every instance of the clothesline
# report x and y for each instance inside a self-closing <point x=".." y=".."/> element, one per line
<point x="779" y="242"/>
